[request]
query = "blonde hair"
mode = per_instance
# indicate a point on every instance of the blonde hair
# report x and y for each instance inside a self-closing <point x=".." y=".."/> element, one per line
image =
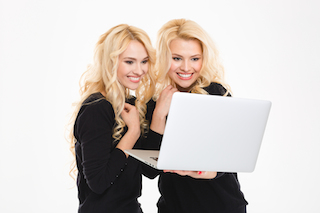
<point x="101" y="75"/>
<point x="211" y="70"/>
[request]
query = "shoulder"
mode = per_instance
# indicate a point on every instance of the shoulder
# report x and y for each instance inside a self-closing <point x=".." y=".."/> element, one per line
<point x="95" y="112"/>
<point x="215" y="89"/>
<point x="96" y="104"/>
<point x="93" y="98"/>
<point x="95" y="117"/>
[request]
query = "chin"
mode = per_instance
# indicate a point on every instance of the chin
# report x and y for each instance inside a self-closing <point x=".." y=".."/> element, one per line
<point x="133" y="87"/>
<point x="183" y="88"/>
<point x="185" y="85"/>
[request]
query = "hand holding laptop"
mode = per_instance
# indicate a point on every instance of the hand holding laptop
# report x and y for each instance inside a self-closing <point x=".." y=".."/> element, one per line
<point x="194" y="174"/>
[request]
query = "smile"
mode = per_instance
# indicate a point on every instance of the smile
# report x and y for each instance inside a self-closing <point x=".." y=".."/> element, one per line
<point x="134" y="79"/>
<point x="185" y="76"/>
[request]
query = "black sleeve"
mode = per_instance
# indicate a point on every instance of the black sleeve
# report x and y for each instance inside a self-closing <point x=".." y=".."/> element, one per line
<point x="101" y="162"/>
<point x="216" y="89"/>
<point x="152" y="141"/>
<point x="149" y="172"/>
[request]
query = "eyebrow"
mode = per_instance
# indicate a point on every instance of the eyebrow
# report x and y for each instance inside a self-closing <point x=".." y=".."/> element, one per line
<point x="196" y="55"/>
<point x="126" y="58"/>
<point x="130" y="58"/>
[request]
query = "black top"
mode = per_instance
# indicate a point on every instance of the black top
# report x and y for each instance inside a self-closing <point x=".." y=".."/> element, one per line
<point x="107" y="181"/>
<point x="186" y="194"/>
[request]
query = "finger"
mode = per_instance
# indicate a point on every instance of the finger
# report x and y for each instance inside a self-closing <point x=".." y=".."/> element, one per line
<point x="169" y="87"/>
<point x="166" y="90"/>
<point x="124" y="113"/>
<point x="180" y="172"/>
<point x="125" y="110"/>
<point x="127" y="107"/>
<point x="171" y="171"/>
<point x="175" y="90"/>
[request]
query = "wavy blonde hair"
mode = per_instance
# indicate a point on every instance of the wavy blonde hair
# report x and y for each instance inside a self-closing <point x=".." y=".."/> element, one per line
<point x="101" y="75"/>
<point x="212" y="69"/>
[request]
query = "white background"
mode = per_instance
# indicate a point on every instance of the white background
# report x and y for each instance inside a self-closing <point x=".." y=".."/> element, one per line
<point x="270" y="51"/>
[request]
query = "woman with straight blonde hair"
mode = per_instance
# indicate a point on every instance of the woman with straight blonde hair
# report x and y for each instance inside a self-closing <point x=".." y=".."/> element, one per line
<point x="188" y="61"/>
<point x="107" y="120"/>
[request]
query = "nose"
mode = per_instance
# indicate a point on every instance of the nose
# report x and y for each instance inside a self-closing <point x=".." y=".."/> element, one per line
<point x="185" y="66"/>
<point x="138" y="70"/>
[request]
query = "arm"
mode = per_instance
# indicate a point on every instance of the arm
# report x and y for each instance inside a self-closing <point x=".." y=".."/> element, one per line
<point x="162" y="109"/>
<point x="156" y="115"/>
<point x="130" y="115"/>
<point x="101" y="162"/>
<point x="152" y="141"/>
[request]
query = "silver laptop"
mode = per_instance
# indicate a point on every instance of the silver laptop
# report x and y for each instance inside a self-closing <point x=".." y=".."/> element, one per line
<point x="209" y="133"/>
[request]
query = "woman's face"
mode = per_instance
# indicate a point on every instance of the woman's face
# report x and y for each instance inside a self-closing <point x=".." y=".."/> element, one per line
<point x="133" y="65"/>
<point x="186" y="63"/>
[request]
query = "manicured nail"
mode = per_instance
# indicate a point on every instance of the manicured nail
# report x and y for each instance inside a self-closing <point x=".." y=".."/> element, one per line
<point x="199" y="173"/>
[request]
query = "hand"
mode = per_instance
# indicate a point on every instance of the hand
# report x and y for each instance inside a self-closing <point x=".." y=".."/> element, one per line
<point x="194" y="174"/>
<point x="162" y="109"/>
<point x="130" y="116"/>
<point x="164" y="101"/>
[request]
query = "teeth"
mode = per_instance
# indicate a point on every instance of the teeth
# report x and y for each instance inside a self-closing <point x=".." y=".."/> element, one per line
<point x="184" y="75"/>
<point x="134" y="79"/>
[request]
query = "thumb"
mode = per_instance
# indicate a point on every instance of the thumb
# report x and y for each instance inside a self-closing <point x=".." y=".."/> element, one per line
<point x="127" y="107"/>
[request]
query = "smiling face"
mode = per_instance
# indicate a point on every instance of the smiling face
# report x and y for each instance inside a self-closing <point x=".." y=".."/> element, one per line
<point x="133" y="65"/>
<point x="186" y="63"/>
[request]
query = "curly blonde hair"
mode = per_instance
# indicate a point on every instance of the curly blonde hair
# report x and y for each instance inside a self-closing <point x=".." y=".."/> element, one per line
<point x="101" y="75"/>
<point x="212" y="69"/>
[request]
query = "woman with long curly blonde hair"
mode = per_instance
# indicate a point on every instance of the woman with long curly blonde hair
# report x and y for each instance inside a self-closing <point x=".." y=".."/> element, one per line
<point x="188" y="61"/>
<point x="107" y="120"/>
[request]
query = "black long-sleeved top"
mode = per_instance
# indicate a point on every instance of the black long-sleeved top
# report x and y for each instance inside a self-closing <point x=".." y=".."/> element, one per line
<point x="107" y="181"/>
<point x="183" y="194"/>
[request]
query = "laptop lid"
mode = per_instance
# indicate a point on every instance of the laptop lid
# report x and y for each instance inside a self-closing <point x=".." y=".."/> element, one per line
<point x="210" y="133"/>
<point x="213" y="133"/>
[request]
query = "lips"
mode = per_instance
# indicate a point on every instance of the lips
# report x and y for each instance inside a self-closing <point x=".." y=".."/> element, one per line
<point x="185" y="76"/>
<point x="134" y="79"/>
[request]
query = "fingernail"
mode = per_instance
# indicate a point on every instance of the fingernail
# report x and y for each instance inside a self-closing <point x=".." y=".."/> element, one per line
<point x="199" y="173"/>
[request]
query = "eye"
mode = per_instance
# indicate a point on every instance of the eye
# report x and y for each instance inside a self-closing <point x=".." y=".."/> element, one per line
<point x="129" y="62"/>
<point x="144" y="62"/>
<point x="176" y="58"/>
<point x="195" y="59"/>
